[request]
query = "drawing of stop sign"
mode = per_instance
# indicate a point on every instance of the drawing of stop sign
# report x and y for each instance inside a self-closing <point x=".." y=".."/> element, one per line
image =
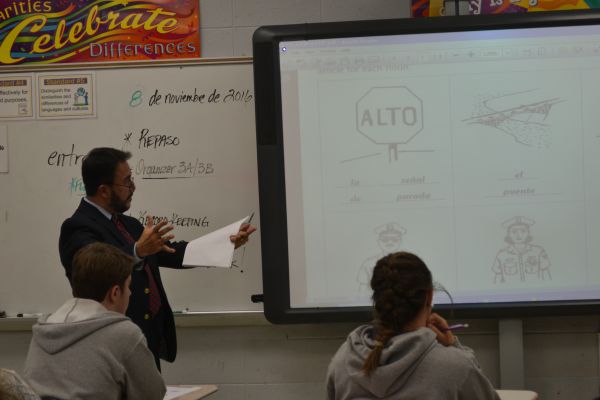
<point x="389" y="115"/>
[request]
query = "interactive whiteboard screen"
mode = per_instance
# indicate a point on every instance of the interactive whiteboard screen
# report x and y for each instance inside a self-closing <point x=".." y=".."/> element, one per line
<point x="478" y="150"/>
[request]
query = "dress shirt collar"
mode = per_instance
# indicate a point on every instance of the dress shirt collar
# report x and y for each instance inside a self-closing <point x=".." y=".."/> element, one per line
<point x="102" y="210"/>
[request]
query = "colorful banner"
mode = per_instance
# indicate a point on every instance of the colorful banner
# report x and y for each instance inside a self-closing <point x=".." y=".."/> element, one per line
<point x="431" y="8"/>
<point x="507" y="6"/>
<point x="68" y="31"/>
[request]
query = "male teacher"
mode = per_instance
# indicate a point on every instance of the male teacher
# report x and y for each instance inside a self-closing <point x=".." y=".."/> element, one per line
<point x="109" y="189"/>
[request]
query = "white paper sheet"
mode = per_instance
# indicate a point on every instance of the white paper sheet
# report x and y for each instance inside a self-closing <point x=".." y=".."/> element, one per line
<point x="175" y="391"/>
<point x="214" y="249"/>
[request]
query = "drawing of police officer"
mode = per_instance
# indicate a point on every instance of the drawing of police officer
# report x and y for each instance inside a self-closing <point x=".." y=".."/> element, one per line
<point x="520" y="258"/>
<point x="389" y="239"/>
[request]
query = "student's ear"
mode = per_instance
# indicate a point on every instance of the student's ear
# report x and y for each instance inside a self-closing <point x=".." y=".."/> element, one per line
<point x="112" y="295"/>
<point x="429" y="299"/>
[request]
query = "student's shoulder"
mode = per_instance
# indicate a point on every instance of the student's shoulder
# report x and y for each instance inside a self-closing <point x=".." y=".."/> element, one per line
<point x="126" y="327"/>
<point x="123" y="338"/>
<point x="123" y="328"/>
<point x="457" y="357"/>
<point x="346" y="347"/>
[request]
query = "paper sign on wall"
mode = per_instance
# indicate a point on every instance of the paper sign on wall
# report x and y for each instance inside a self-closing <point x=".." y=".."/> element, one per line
<point x="15" y="97"/>
<point x="66" y="95"/>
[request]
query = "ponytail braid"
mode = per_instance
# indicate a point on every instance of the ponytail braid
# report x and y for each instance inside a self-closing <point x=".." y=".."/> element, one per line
<point x="400" y="284"/>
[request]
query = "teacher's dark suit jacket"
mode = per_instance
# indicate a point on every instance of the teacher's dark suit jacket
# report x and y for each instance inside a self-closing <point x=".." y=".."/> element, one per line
<point x="89" y="225"/>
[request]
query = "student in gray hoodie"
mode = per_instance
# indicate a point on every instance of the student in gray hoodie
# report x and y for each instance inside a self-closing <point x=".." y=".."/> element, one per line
<point x="88" y="348"/>
<point x="407" y="352"/>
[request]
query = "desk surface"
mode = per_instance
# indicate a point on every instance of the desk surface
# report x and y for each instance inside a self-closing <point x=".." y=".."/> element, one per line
<point x="182" y="392"/>
<point x="517" y="395"/>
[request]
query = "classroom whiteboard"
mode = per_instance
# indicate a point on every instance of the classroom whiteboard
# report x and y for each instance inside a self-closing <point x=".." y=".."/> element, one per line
<point x="190" y="129"/>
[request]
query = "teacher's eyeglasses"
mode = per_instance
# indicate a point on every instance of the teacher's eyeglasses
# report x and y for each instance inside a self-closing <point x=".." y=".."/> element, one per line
<point x="129" y="185"/>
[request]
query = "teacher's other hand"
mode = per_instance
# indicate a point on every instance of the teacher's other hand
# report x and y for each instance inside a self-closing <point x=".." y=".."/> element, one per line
<point x="241" y="238"/>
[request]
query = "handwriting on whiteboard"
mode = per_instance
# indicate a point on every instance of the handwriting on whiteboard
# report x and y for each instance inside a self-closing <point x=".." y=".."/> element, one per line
<point x="196" y="96"/>
<point x="150" y="140"/>
<point x="174" y="219"/>
<point x="175" y="170"/>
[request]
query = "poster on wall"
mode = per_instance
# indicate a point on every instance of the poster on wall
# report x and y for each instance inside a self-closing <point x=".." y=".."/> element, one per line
<point x="37" y="32"/>
<point x="66" y="95"/>
<point x="434" y="8"/>
<point x="16" y="96"/>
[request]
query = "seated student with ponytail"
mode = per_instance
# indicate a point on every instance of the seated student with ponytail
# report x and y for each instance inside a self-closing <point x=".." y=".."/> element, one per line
<point x="406" y="353"/>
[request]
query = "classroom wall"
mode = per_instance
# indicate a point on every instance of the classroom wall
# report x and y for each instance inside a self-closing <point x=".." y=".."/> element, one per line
<point x="266" y="362"/>
<point x="261" y="361"/>
<point x="227" y="25"/>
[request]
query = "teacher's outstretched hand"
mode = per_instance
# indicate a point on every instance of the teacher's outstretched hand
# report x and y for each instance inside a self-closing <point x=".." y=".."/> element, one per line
<point x="154" y="238"/>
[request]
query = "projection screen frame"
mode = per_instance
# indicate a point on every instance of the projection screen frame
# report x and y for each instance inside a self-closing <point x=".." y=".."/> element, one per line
<point x="270" y="154"/>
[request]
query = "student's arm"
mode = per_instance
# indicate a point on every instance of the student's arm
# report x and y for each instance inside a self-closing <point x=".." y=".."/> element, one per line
<point x="330" y="390"/>
<point x="330" y="383"/>
<point x="143" y="380"/>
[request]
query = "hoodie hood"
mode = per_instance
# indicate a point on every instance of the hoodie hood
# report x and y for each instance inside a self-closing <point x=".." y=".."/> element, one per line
<point x="55" y="332"/>
<point x="401" y="355"/>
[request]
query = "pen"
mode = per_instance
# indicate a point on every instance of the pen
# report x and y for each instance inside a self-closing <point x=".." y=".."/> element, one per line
<point x="454" y="327"/>
<point x="250" y="219"/>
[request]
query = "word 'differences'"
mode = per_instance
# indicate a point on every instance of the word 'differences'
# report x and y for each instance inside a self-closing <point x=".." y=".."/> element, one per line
<point x="66" y="30"/>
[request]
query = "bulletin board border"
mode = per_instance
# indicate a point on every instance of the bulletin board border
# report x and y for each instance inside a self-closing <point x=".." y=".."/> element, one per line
<point x="126" y="64"/>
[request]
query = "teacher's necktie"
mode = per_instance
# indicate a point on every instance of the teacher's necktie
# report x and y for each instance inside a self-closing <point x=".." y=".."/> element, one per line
<point x="153" y="295"/>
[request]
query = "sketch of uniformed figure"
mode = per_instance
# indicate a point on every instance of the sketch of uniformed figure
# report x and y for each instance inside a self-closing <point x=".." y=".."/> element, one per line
<point x="389" y="238"/>
<point x="520" y="259"/>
